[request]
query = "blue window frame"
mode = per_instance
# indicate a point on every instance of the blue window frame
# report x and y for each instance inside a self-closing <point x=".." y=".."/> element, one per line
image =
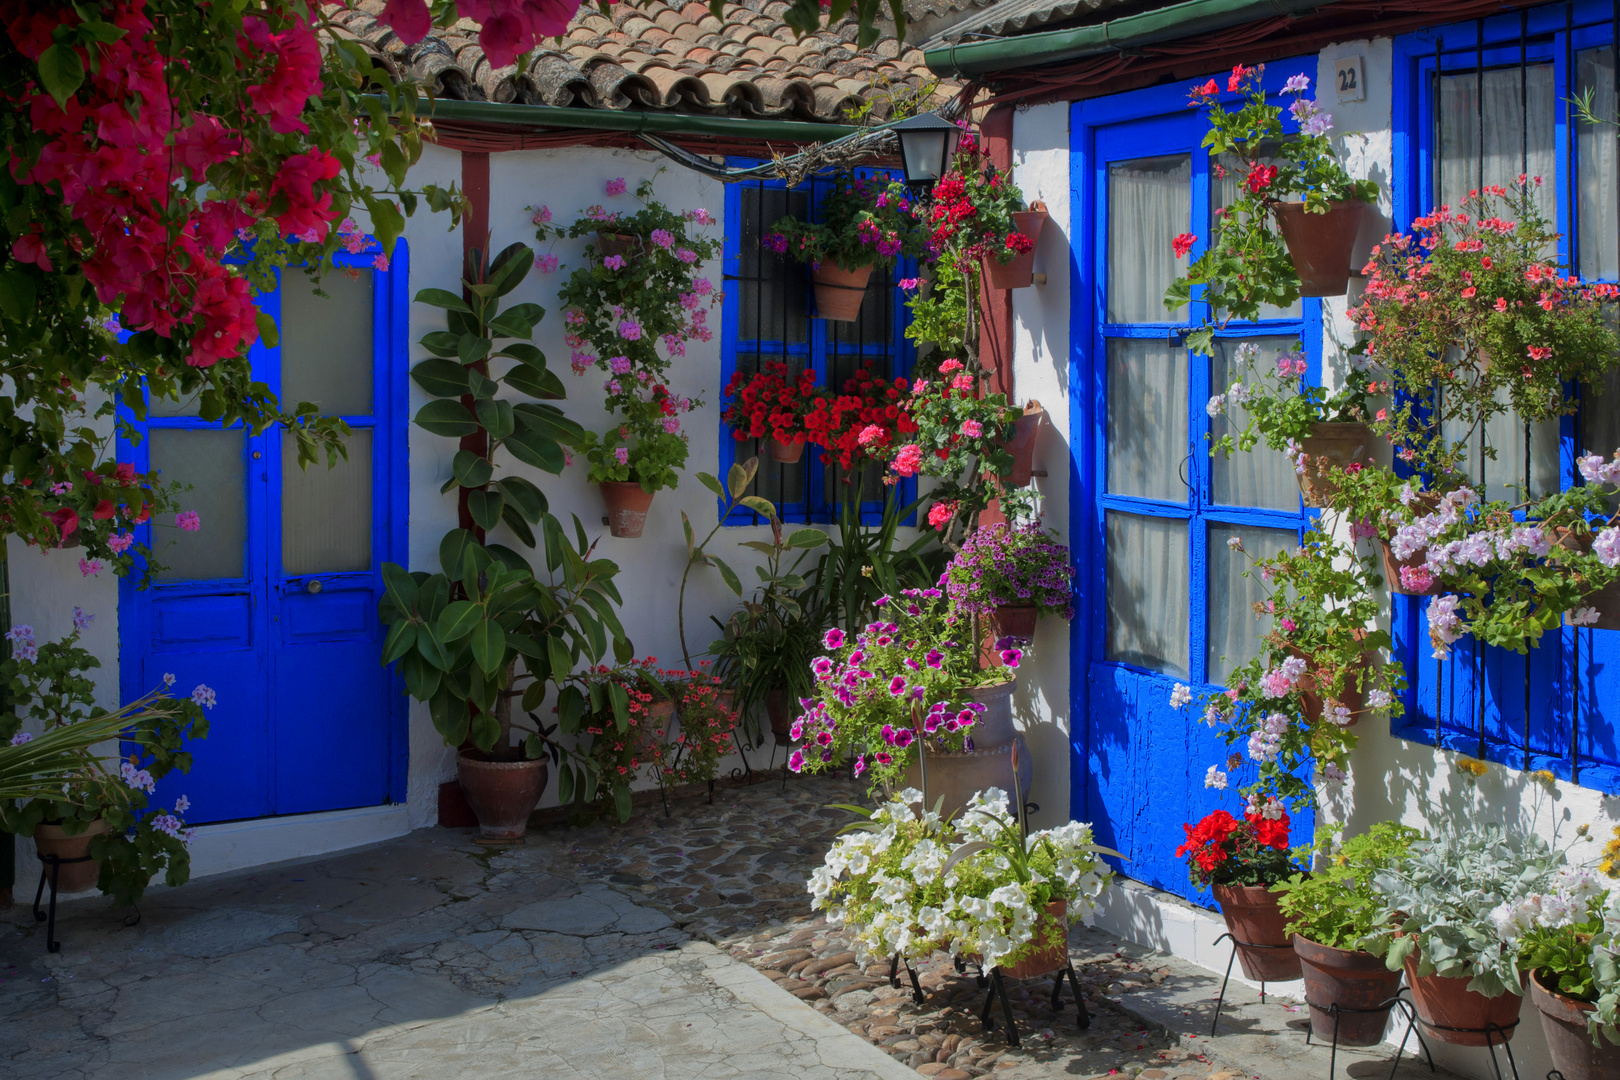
<point x="768" y="315"/>
<point x="1481" y="102"/>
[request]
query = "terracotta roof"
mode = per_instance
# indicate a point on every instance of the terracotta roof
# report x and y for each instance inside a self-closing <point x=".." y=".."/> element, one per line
<point x="661" y="56"/>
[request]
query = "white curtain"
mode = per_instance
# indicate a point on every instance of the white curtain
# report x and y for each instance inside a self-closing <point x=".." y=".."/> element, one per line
<point x="1596" y="144"/>
<point x="1147" y="419"/>
<point x="1260" y="477"/>
<point x="1510" y="148"/>
<point x="1149" y="205"/>
<point x="1234" y="629"/>
<point x="211" y="462"/>
<point x="1148" y="596"/>
<point x="1509" y="456"/>
<point x="326" y="513"/>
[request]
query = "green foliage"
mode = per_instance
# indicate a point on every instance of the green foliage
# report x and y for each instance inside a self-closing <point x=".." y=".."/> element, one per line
<point x="1273" y="403"/>
<point x="862" y="564"/>
<point x="864" y="221"/>
<point x="1335" y="904"/>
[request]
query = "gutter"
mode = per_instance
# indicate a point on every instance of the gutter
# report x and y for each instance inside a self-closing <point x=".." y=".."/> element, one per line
<point x="533" y="117"/>
<point x="1184" y="20"/>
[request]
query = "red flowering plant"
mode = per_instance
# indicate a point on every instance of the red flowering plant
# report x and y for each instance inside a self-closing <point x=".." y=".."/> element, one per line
<point x="771" y="403"/>
<point x="1245" y="266"/>
<point x="864" y="221"/>
<point x="865" y="421"/>
<point x="961" y="437"/>
<point x="1252" y="850"/>
<point x="618" y="733"/>
<point x="706" y="724"/>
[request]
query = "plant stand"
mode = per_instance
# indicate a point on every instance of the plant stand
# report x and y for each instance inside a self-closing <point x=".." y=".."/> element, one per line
<point x="998" y="990"/>
<point x="894" y="977"/>
<point x="1397" y="1001"/>
<point x="1492" y="1033"/>
<point x="1221" y="997"/>
<point x="53" y="864"/>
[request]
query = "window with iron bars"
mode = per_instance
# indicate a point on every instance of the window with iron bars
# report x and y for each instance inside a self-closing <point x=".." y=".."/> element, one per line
<point x="1482" y="103"/>
<point x="769" y="315"/>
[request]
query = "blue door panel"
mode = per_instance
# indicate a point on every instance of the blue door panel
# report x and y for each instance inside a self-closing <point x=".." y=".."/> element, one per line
<point x="229" y="777"/>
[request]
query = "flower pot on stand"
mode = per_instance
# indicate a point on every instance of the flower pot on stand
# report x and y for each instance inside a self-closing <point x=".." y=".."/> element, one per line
<point x="1454" y="1014"/>
<point x="1573" y="1053"/>
<point x="1330" y="445"/>
<point x="957" y="777"/>
<point x="1320" y="244"/>
<point x="627" y="505"/>
<point x="71" y="877"/>
<point x="502" y="793"/>
<point x="1019" y="271"/>
<point x="1256" y="925"/>
<point x="788" y="453"/>
<point x="1357" y="982"/>
<point x="839" y="291"/>
<point x="1022" y="445"/>
<point x="1014" y="621"/>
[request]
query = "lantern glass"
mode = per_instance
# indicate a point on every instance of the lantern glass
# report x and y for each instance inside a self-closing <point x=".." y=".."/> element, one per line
<point x="927" y="144"/>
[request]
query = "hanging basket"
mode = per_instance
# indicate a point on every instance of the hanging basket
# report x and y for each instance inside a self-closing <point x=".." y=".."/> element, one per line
<point x="1330" y="445"/>
<point x="1392" y="572"/>
<point x="1320" y="244"/>
<point x="1019" y="272"/>
<point x="627" y="506"/>
<point x="1352" y="697"/>
<point x="787" y="453"/>
<point x="839" y="291"/>
<point x="1606" y="601"/>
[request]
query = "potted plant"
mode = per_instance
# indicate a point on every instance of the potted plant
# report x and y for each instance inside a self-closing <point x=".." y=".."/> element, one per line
<point x="771" y="404"/>
<point x="1328" y="913"/>
<point x="1011" y="575"/>
<point x="1566" y="942"/>
<point x="94" y="812"/>
<point x="865" y="421"/>
<point x="1436" y="920"/>
<point x="1239" y="860"/>
<point x="911" y="681"/>
<point x="865" y="222"/>
<point x="706" y="721"/>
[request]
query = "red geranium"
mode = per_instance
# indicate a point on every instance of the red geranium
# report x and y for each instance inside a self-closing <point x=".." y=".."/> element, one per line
<point x="770" y="403"/>
<point x="1223" y="850"/>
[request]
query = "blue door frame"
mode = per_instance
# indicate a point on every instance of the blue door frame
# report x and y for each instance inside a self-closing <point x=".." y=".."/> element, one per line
<point x="1137" y="765"/>
<point x="307" y="718"/>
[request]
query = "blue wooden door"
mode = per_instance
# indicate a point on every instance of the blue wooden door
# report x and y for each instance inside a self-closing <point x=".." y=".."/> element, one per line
<point x="1165" y="596"/>
<point x="272" y="601"/>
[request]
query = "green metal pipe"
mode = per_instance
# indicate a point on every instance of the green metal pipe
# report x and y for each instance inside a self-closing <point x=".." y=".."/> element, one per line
<point x="548" y="116"/>
<point x="1182" y="20"/>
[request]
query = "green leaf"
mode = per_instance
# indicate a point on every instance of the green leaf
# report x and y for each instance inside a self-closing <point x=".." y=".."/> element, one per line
<point x="422" y="679"/>
<point x="620" y="700"/>
<point x="18" y="295"/>
<point x="570" y="709"/>
<point x="621" y="801"/>
<point x="446" y="417"/>
<point x="489" y="645"/>
<point x="472" y="348"/>
<point x="449" y="713"/>
<point x="484" y="504"/>
<point x="469" y="469"/>
<point x="452" y="548"/>
<point x="729" y="575"/>
<point x="549" y="421"/>
<point x="523" y="353"/>
<point x="441" y="343"/>
<point x="61" y="72"/>
<point x="441" y="378"/>
<point x="537" y="382"/>
<point x="523" y="494"/>
<point x="712" y="482"/>
<point x="441" y="299"/>
<point x="760" y="506"/>
<point x="387" y="223"/>
<point x="691" y="540"/>
<point x="533" y="448"/>
<point x="431" y="648"/>
<point x="807" y="538"/>
<point x="737" y="480"/>
<point x="515" y="522"/>
<point x="508" y="269"/>
<point x="484" y="729"/>
<point x="561" y="662"/>
<point x="496" y="418"/>
<point x="399" y="587"/>
<point x="565" y="784"/>
<point x="458" y="619"/>
<point x="401" y="639"/>
<point x="269" y="332"/>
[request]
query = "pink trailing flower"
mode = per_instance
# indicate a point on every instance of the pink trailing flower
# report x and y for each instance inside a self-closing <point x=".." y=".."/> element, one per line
<point x="546" y="263"/>
<point x="188" y="521"/>
<point x="615" y="187"/>
<point x="908" y="460"/>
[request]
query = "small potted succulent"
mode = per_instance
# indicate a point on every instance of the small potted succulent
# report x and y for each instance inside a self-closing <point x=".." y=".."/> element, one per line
<point x="1239" y="860"/>
<point x="1328" y="912"/>
<point x="1012" y="575"/>
<point x="1567" y="943"/>
<point x="1441" y="918"/>
<point x="772" y="404"/>
<point x="865" y="222"/>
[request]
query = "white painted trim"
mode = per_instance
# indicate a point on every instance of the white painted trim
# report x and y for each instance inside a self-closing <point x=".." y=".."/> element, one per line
<point x="238" y="845"/>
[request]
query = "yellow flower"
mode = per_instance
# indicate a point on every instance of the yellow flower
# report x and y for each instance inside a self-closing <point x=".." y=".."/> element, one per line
<point x="1543" y="776"/>
<point x="1472" y="766"/>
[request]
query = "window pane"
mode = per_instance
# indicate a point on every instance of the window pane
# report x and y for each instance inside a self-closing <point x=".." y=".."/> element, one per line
<point x="1234" y="627"/>
<point x="326" y="513"/>
<point x="1262" y="476"/>
<point x="1225" y="183"/>
<point x="1520" y="455"/>
<point x="211" y="462"/>
<point x="1597" y="147"/>
<point x="1148" y="600"/>
<point x="186" y="406"/>
<point x="326" y="343"/>
<point x="1149" y="205"/>
<point x="1510" y="146"/>
<point x="1600" y="416"/>
<point x="772" y="300"/>
<point x="1147" y="419"/>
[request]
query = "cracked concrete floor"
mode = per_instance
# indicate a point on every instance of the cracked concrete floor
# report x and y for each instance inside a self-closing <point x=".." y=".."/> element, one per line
<point x="424" y="957"/>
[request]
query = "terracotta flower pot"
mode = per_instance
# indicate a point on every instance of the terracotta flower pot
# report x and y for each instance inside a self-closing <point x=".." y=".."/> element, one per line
<point x="1014" y="621"/>
<point x="1563" y="1021"/>
<point x="779" y="707"/>
<point x="627" y="507"/>
<point x="1353" y="697"/>
<point x="1022" y="444"/>
<point x="74" y="876"/>
<point x="1330" y="445"/>
<point x="956" y="778"/>
<point x="1606" y="601"/>
<point x="501" y="793"/>
<point x="1392" y="572"/>
<point x="1353" y="980"/>
<point x="995" y="726"/>
<point x="1256" y="923"/>
<point x="1048" y="958"/>
<point x="1019" y="272"/>
<point x="787" y="453"/>
<point x="608" y="243"/>
<point x="839" y="291"/>
<point x="1320" y="244"/>
<point x="1455" y="1014"/>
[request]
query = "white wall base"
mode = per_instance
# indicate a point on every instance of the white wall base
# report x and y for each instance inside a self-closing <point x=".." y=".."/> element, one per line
<point x="237" y="845"/>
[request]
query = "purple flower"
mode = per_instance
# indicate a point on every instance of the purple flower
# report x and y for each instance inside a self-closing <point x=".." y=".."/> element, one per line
<point x="620" y="365"/>
<point x="630" y="330"/>
<point x="203" y="696"/>
<point x="82" y="620"/>
<point x="1011" y="657"/>
<point x="662" y="238"/>
<point x="860" y="764"/>
<point x="1297" y="85"/>
<point x="188" y="521"/>
<point x="21" y="737"/>
<point x="833" y="638"/>
<point x="897" y="686"/>
<point x="796" y="761"/>
<point x="823" y="738"/>
<point x="904" y="737"/>
<point x="796" y="732"/>
<point x="934" y="659"/>
<point x="686" y="255"/>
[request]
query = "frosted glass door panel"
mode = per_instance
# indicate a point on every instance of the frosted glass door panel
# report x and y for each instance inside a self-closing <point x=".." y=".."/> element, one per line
<point x="326" y="347"/>
<point x="1599" y="156"/>
<point x="1149" y="205"/>
<point x="1261" y="476"/>
<point x="1148" y="562"/>
<point x="1234" y="628"/>
<point x="211" y="462"/>
<point x="1511" y="146"/>
<point x="1147" y="419"/>
<point x="326" y="513"/>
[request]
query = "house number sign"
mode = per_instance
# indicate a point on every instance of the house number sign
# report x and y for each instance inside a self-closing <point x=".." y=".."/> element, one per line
<point x="1349" y="79"/>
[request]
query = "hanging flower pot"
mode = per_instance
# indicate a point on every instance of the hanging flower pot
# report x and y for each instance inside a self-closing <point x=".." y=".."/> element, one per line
<point x="1605" y="601"/>
<point x="502" y="793"/>
<point x="1563" y="1021"/>
<point x="609" y="243"/>
<point x="627" y="505"/>
<point x="1333" y="444"/>
<point x="71" y="877"/>
<point x="1320" y="244"/>
<point x="1256" y="924"/>
<point x="788" y="453"/>
<point x="839" y="291"/>
<point x="1022" y="444"/>
<point x="1014" y="621"/>
<point x="957" y="777"/>
<point x="1019" y="272"/>
<point x="1357" y="982"/>
<point x="995" y="724"/>
<point x="1454" y="1014"/>
<point x="1419" y="580"/>
<point x="1351" y="696"/>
